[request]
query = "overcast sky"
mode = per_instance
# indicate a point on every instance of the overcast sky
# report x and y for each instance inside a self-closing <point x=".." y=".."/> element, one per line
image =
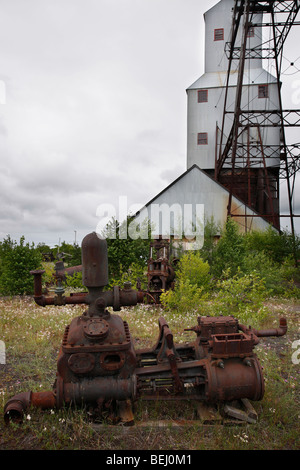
<point x="93" y="107"/>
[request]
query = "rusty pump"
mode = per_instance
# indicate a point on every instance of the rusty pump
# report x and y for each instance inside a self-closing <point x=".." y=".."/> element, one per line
<point x="99" y="367"/>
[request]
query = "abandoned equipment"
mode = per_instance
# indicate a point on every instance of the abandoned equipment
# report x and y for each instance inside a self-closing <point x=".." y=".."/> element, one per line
<point x="99" y="367"/>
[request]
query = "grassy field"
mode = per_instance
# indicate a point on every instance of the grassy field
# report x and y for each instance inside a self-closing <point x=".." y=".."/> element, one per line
<point x="32" y="336"/>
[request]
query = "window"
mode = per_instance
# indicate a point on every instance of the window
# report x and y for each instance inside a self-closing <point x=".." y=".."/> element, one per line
<point x="263" y="91"/>
<point x="219" y="34"/>
<point x="250" y="32"/>
<point x="202" y="138"/>
<point x="202" y="96"/>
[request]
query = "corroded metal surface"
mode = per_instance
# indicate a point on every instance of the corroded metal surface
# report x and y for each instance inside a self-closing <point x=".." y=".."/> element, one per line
<point x="99" y="367"/>
<point x="160" y="274"/>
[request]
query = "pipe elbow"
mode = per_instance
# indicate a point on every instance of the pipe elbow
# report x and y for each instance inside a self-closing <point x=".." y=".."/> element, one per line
<point x="282" y="330"/>
<point x="16" y="407"/>
<point x="40" y="300"/>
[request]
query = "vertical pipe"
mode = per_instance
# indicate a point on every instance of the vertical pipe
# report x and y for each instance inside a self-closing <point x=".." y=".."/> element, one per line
<point x="37" y="282"/>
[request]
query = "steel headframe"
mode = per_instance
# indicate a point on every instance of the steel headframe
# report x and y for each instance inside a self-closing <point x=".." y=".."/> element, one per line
<point x="279" y="17"/>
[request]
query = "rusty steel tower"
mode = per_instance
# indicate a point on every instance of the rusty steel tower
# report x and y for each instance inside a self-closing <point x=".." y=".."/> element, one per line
<point x="249" y="165"/>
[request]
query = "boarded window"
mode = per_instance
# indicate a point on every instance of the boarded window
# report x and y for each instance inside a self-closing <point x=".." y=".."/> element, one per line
<point x="219" y="34"/>
<point x="250" y="32"/>
<point x="202" y="96"/>
<point x="263" y="91"/>
<point x="202" y="138"/>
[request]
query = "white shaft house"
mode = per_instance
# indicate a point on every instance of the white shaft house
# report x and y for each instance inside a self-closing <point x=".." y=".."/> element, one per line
<point x="206" y="106"/>
<point x="197" y="186"/>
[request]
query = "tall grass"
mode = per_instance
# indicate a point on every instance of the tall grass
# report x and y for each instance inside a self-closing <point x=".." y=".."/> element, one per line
<point x="33" y="334"/>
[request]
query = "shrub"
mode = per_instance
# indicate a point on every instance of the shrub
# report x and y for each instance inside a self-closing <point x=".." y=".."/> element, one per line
<point x="17" y="260"/>
<point x="264" y="268"/>
<point x="229" y="252"/>
<point x="74" y="281"/>
<point x="211" y="232"/>
<point x="277" y="246"/>
<point x="242" y="296"/>
<point x="192" y="267"/>
<point x="123" y="251"/>
<point x="71" y="253"/>
<point x="193" y="282"/>
<point x="48" y="276"/>
<point x="278" y="277"/>
<point x="135" y="272"/>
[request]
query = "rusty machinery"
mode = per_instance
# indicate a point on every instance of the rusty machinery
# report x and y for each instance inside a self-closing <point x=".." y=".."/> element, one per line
<point x="99" y="367"/>
<point x="61" y="272"/>
<point x="160" y="273"/>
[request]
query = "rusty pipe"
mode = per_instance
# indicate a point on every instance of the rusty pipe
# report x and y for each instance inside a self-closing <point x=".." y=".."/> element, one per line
<point x="115" y="298"/>
<point x="18" y="405"/>
<point x="43" y="301"/>
<point x="281" y="331"/>
<point x="37" y="274"/>
<point x="62" y="272"/>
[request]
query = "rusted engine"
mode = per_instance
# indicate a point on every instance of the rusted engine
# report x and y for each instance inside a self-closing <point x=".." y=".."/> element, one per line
<point x="99" y="367"/>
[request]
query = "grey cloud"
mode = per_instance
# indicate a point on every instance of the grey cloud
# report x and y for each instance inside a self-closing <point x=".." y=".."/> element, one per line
<point x="95" y="107"/>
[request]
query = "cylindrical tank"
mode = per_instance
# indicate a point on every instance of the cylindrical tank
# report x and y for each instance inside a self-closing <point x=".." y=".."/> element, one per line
<point x="94" y="261"/>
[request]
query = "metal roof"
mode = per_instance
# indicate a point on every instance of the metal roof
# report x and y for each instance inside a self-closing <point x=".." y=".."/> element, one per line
<point x="218" y="79"/>
<point x="203" y="189"/>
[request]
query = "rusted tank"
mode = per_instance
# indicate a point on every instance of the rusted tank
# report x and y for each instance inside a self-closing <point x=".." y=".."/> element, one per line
<point x="99" y="367"/>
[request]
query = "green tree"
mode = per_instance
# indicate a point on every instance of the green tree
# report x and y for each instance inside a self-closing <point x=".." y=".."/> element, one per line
<point x="192" y="285"/>
<point x="278" y="246"/>
<point x="242" y="296"/>
<point x="17" y="260"/>
<point x="230" y="250"/>
<point x="124" y="251"/>
<point x="212" y="232"/>
<point x="71" y="253"/>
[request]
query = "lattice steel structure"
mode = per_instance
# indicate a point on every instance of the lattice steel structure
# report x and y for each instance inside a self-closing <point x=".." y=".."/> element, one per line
<point x="247" y="166"/>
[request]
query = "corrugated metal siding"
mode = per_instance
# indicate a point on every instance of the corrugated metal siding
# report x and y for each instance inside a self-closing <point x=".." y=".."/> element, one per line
<point x="195" y="187"/>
